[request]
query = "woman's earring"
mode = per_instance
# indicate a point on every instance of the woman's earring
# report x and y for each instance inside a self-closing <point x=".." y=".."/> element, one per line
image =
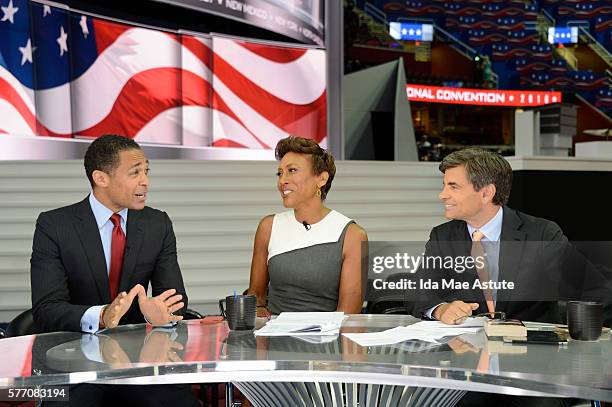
<point x="318" y="193"/>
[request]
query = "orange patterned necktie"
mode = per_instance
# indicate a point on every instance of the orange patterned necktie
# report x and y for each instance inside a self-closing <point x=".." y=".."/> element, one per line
<point x="483" y="274"/>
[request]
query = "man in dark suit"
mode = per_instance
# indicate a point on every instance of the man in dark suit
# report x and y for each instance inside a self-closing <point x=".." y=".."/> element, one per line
<point x="476" y="188"/>
<point x="526" y="245"/>
<point x="90" y="260"/>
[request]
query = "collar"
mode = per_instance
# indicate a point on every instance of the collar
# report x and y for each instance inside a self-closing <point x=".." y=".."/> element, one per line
<point x="492" y="229"/>
<point x="102" y="213"/>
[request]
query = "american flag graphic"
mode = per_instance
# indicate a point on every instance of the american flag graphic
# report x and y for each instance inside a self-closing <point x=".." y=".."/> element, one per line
<point x="65" y="74"/>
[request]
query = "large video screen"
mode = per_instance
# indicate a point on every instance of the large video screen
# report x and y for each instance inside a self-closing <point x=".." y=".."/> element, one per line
<point x="70" y="75"/>
<point x="303" y="20"/>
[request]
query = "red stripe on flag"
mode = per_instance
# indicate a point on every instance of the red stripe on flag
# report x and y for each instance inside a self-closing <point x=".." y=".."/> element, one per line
<point x="199" y="49"/>
<point x="220" y="105"/>
<point x="107" y="32"/>
<point x="308" y="120"/>
<point x="276" y="54"/>
<point x="146" y="95"/>
<point x="10" y="95"/>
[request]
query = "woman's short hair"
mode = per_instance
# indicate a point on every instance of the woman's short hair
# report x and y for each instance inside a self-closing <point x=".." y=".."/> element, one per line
<point x="483" y="168"/>
<point x="321" y="159"/>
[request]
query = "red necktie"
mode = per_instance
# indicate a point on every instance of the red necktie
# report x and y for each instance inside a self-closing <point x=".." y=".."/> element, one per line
<point x="117" y="250"/>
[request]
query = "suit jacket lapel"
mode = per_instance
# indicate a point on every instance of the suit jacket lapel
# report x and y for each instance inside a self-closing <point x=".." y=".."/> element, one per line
<point x="460" y="233"/>
<point x="89" y="234"/>
<point x="135" y="234"/>
<point x="510" y="254"/>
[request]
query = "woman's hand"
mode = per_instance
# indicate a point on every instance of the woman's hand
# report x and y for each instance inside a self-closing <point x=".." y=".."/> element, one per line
<point x="263" y="312"/>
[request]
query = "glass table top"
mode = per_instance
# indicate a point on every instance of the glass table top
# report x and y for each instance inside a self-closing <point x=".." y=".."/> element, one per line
<point x="205" y="350"/>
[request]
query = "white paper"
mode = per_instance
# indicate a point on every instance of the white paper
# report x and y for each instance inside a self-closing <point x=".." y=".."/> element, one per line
<point x="427" y="331"/>
<point x="311" y="317"/>
<point x="317" y="339"/>
<point x="303" y="324"/>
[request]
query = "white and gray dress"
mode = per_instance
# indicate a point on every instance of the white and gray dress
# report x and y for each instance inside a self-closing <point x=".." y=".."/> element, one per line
<point x="304" y="268"/>
<point x="304" y="265"/>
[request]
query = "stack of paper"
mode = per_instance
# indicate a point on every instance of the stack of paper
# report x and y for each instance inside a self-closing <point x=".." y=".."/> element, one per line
<point x="428" y="331"/>
<point x="303" y="323"/>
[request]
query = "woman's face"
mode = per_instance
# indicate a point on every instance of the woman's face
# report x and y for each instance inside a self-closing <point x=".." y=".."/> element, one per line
<point x="297" y="183"/>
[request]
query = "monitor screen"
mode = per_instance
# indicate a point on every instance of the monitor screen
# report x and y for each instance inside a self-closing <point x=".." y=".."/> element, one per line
<point x="563" y="35"/>
<point x="411" y="32"/>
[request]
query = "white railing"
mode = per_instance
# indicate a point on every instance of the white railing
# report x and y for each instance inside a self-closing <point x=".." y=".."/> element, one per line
<point x="376" y="14"/>
<point x="464" y="49"/>
<point x="583" y="29"/>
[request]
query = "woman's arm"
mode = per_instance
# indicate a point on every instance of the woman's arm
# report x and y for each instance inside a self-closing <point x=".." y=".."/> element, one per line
<point x="258" y="284"/>
<point x="352" y="278"/>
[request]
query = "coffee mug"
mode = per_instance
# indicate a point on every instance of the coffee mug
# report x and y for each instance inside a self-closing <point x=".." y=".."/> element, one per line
<point x="584" y="320"/>
<point x="239" y="311"/>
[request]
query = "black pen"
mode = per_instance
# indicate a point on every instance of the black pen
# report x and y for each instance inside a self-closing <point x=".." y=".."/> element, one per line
<point x="532" y="341"/>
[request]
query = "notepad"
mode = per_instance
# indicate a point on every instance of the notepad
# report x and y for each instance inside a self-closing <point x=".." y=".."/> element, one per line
<point x="318" y="339"/>
<point x="303" y="323"/>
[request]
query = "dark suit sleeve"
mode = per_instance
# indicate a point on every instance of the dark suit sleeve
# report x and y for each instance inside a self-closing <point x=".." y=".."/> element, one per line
<point x="426" y="299"/>
<point x="552" y="232"/>
<point x="167" y="273"/>
<point x="50" y="293"/>
<point x="577" y="266"/>
<point x="586" y="268"/>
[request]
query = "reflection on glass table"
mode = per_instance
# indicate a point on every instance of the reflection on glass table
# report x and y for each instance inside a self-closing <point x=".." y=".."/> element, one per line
<point x="201" y="351"/>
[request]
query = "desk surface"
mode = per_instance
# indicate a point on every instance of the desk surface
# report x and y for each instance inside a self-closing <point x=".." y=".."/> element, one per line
<point x="206" y="351"/>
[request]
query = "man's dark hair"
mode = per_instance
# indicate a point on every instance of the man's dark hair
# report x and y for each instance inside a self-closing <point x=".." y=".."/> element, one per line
<point x="321" y="159"/>
<point x="103" y="154"/>
<point x="483" y="168"/>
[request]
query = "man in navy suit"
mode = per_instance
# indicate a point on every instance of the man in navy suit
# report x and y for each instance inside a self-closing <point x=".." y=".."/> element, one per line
<point x="476" y="188"/>
<point x="72" y="251"/>
<point x="90" y="260"/>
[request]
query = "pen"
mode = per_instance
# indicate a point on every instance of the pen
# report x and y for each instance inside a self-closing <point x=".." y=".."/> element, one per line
<point x="527" y="342"/>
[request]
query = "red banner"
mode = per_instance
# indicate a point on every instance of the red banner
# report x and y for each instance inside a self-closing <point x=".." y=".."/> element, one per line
<point x="482" y="97"/>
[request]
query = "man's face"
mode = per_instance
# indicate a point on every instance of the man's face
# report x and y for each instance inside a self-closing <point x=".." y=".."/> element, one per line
<point x="128" y="184"/>
<point x="461" y="200"/>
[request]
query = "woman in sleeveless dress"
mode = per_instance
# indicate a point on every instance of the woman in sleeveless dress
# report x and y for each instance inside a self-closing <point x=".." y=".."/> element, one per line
<point x="309" y="257"/>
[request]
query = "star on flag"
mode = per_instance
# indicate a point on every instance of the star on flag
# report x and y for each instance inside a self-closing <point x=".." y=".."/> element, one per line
<point x="9" y="12"/>
<point x="62" y="40"/>
<point x="83" y="24"/>
<point x="26" y="52"/>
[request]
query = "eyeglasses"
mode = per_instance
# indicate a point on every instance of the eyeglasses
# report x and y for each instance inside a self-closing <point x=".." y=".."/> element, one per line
<point x="498" y="315"/>
<point x="493" y="315"/>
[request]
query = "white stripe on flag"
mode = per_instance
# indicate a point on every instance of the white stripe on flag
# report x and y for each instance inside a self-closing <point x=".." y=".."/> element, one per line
<point x="12" y="121"/>
<point x="272" y="76"/>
